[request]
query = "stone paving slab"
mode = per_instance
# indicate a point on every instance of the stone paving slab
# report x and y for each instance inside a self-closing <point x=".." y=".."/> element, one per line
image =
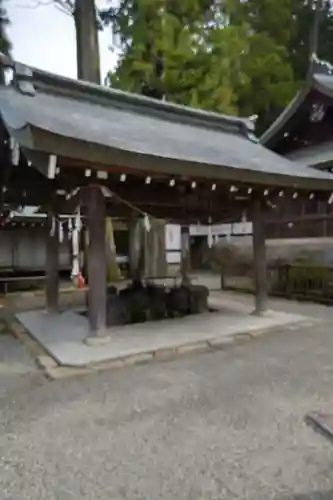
<point x="64" y="335"/>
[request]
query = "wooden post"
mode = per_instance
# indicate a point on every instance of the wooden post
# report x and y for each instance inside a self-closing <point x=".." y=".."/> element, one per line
<point x="259" y="257"/>
<point x="222" y="277"/>
<point x="52" y="262"/>
<point x="134" y="248"/>
<point x="185" y="255"/>
<point x="97" y="293"/>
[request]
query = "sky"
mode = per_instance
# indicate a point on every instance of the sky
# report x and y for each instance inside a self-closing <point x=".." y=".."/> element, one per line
<point x="44" y="37"/>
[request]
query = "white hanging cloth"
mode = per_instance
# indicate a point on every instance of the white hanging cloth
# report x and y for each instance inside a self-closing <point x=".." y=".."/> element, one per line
<point x="53" y="227"/>
<point x="210" y="239"/>
<point x="75" y="244"/>
<point x="61" y="233"/>
<point x="147" y="223"/>
<point x="70" y="229"/>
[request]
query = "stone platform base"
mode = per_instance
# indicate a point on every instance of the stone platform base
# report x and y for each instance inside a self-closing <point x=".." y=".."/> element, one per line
<point x="63" y="336"/>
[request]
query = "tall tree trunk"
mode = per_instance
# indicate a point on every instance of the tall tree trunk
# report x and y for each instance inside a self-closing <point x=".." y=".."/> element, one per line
<point x="317" y="6"/>
<point x="88" y="64"/>
<point x="88" y="69"/>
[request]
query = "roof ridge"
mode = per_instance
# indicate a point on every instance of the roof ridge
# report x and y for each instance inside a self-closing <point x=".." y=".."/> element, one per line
<point x="86" y="89"/>
<point x="320" y="66"/>
<point x="27" y="78"/>
<point x="285" y="115"/>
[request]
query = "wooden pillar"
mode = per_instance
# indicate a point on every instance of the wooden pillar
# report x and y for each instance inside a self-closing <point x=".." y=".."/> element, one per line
<point x="185" y="255"/>
<point x="259" y="257"/>
<point x="52" y="262"/>
<point x="97" y="267"/>
<point x="134" y="248"/>
<point x="222" y="277"/>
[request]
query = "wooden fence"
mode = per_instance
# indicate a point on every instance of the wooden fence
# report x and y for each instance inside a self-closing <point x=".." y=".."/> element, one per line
<point x="300" y="281"/>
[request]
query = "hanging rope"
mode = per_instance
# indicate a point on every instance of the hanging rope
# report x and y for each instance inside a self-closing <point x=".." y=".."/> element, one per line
<point x="147" y="217"/>
<point x="76" y="271"/>
<point x="74" y="227"/>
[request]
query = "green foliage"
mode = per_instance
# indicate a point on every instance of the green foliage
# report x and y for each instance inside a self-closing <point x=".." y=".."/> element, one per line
<point x="279" y="59"/>
<point x="183" y="51"/>
<point x="299" y="45"/>
<point x="271" y="83"/>
<point x="5" y="45"/>
<point x="238" y="57"/>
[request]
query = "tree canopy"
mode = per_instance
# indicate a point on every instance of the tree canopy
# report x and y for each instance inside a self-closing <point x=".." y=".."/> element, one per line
<point x="235" y="57"/>
<point x="4" y="42"/>
<point x="5" y="45"/>
<point x="173" y="50"/>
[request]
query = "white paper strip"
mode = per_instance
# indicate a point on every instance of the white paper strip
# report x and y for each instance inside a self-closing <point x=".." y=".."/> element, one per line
<point x="146" y="223"/>
<point x="51" y="169"/>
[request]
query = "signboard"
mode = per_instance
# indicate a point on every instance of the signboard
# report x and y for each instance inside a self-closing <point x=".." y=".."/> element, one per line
<point x="222" y="229"/>
<point x="198" y="230"/>
<point x="242" y="228"/>
<point x="173" y="257"/>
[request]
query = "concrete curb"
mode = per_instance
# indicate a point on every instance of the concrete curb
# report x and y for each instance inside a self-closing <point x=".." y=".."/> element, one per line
<point x="54" y="371"/>
<point x="41" y="293"/>
<point x="21" y="334"/>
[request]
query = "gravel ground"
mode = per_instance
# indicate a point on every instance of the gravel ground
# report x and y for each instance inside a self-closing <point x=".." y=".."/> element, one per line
<point x="223" y="425"/>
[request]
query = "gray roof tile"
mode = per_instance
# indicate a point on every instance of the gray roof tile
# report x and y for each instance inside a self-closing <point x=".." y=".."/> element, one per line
<point x="134" y="124"/>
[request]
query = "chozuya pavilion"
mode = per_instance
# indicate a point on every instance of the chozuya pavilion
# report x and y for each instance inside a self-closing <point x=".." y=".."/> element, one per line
<point x="113" y="153"/>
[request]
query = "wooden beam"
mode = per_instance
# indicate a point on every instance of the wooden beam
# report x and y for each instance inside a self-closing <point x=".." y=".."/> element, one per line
<point x="185" y="255"/>
<point x="315" y="217"/>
